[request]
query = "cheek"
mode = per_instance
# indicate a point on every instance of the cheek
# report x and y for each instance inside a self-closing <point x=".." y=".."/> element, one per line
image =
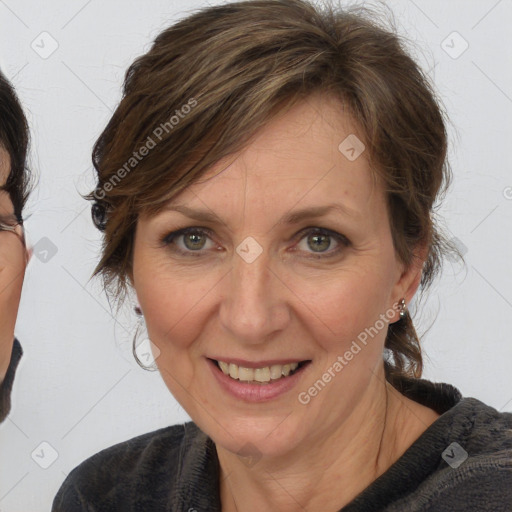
<point x="6" y="206"/>
<point x="342" y="305"/>
<point x="173" y="313"/>
<point x="174" y="305"/>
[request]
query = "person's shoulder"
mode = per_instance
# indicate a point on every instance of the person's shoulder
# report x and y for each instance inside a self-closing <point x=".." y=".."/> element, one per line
<point x="476" y="467"/>
<point x="489" y="430"/>
<point x="6" y="383"/>
<point x="143" y="462"/>
<point x="479" y="427"/>
<point x="481" y="450"/>
<point x="481" y="483"/>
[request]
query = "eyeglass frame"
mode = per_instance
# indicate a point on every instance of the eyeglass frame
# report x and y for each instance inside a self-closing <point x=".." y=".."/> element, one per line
<point x="12" y="228"/>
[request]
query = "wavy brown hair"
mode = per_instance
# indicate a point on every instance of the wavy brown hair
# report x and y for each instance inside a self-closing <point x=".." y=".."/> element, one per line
<point x="211" y="80"/>
<point x="14" y="139"/>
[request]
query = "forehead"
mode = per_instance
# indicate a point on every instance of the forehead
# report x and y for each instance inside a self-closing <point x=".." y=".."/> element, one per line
<point x="300" y="155"/>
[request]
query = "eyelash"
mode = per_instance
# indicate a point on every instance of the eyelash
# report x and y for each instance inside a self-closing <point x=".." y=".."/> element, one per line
<point x="342" y="240"/>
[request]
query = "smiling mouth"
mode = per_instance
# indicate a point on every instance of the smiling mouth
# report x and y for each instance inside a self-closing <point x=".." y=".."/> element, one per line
<point x="264" y="375"/>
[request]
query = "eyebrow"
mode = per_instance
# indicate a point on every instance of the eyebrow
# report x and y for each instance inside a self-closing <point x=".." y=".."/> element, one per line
<point x="293" y="217"/>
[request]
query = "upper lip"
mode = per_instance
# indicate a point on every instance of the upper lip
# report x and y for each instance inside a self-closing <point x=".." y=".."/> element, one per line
<point x="257" y="364"/>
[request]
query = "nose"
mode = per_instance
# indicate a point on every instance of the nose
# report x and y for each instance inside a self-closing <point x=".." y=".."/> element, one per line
<point x="254" y="307"/>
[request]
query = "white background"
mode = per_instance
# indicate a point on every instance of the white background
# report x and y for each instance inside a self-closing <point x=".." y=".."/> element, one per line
<point x="78" y="388"/>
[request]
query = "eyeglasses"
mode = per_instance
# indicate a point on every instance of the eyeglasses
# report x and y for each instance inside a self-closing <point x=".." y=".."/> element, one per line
<point x="7" y="227"/>
<point x="12" y="227"/>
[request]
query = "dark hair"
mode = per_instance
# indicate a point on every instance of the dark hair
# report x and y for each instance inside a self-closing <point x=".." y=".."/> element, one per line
<point x="14" y="138"/>
<point x="214" y="78"/>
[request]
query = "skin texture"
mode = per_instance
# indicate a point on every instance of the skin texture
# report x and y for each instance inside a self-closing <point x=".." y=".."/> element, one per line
<point x="284" y="305"/>
<point x="13" y="260"/>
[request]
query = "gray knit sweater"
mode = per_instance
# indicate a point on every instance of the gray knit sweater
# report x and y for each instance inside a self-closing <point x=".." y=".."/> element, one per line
<point x="461" y="463"/>
<point x="6" y="384"/>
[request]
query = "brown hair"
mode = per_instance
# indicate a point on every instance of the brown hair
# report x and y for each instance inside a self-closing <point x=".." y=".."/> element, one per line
<point x="210" y="81"/>
<point x="14" y="138"/>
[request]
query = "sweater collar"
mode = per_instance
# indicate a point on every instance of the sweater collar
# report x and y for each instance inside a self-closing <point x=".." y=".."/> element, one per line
<point x="197" y="485"/>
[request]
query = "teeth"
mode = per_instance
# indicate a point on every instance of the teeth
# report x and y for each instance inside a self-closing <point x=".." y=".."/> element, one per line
<point x="245" y="373"/>
<point x="233" y="371"/>
<point x="276" y="371"/>
<point x="266" y="374"/>
<point x="262" y="374"/>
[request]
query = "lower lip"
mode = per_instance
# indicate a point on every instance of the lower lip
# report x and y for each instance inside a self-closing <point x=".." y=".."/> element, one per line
<point x="255" y="392"/>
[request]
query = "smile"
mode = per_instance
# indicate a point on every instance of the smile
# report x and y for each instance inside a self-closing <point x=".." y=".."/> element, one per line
<point x="257" y="381"/>
<point x="265" y="374"/>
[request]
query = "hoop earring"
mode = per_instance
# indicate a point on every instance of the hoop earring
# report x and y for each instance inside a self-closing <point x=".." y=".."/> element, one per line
<point x="403" y="309"/>
<point x="142" y="346"/>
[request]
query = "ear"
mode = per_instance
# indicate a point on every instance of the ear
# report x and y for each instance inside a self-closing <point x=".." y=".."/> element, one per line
<point x="410" y="278"/>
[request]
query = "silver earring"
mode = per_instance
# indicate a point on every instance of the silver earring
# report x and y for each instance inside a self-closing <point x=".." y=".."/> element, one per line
<point x="403" y="309"/>
<point x="143" y="349"/>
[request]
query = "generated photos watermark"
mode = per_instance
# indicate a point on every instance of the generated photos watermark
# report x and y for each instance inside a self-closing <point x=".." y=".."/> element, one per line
<point x="357" y="345"/>
<point x="151" y="142"/>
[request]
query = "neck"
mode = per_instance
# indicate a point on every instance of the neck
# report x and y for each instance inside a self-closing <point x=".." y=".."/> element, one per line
<point x="379" y="430"/>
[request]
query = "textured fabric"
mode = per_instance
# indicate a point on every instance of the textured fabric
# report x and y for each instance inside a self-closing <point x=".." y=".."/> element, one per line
<point x="176" y="468"/>
<point x="6" y="384"/>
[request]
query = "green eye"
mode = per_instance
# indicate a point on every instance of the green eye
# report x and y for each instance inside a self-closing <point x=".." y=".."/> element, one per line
<point x="317" y="241"/>
<point x="188" y="241"/>
<point x="194" y="240"/>
<point x="313" y="242"/>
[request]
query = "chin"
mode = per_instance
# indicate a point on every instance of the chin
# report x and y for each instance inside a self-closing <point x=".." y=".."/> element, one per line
<point x="251" y="437"/>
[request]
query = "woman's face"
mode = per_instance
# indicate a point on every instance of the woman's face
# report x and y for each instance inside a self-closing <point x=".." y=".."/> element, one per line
<point x="259" y="283"/>
<point x="13" y="258"/>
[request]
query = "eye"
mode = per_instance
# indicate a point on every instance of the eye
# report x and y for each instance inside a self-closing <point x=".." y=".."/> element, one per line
<point x="187" y="241"/>
<point x="195" y="241"/>
<point x="318" y="241"/>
